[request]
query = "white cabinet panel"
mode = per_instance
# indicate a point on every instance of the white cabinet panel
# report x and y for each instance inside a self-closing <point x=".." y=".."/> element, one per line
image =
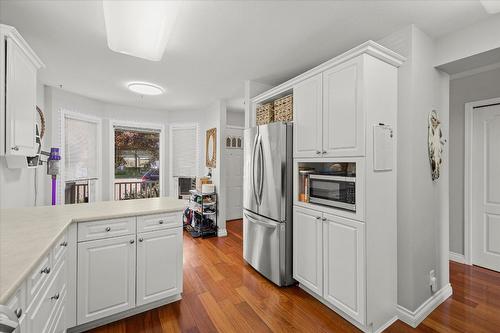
<point x="344" y="265"/>
<point x="343" y="122"/>
<point x="307" y="108"/>
<point x="20" y="101"/>
<point x="106" y="277"/>
<point x="159" y="265"/>
<point x="159" y="221"/>
<point x="17" y="303"/>
<point x="106" y="228"/>
<point x="308" y="249"/>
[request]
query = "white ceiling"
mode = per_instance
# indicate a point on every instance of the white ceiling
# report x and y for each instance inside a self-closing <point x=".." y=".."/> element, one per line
<point x="216" y="45"/>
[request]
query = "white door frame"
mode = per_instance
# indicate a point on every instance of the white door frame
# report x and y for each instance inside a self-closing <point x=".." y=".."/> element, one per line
<point x="469" y="119"/>
<point x="132" y="125"/>
<point x="195" y="126"/>
<point x="64" y="114"/>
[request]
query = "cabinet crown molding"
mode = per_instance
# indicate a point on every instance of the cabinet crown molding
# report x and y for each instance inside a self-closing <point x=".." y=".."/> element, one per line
<point x="7" y="31"/>
<point x="369" y="47"/>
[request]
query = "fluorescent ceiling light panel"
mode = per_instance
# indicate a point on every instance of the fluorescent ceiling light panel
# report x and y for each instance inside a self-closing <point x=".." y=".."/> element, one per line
<point x="491" y="6"/>
<point x="144" y="88"/>
<point x="139" y="28"/>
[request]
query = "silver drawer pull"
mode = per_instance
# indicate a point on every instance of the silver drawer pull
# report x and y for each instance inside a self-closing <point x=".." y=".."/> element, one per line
<point x="55" y="297"/>
<point x="46" y="270"/>
<point x="318" y="152"/>
<point x="108" y="229"/>
<point x="318" y="217"/>
<point x="324" y="152"/>
<point x="18" y="312"/>
<point x="15" y="148"/>
<point x="132" y="241"/>
<point x="141" y="240"/>
<point x="323" y="219"/>
<point x="160" y="222"/>
<point x="64" y="244"/>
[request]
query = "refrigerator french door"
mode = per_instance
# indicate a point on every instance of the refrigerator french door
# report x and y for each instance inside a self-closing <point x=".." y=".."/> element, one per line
<point x="267" y="195"/>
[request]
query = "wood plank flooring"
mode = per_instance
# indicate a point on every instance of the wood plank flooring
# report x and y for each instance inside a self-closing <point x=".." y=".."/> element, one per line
<point x="224" y="294"/>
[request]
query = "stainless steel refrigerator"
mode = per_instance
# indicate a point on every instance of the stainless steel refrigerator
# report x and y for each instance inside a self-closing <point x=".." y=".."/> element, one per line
<point x="267" y="201"/>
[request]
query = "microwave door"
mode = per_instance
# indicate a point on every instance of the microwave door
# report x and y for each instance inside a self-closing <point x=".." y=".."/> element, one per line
<point x="250" y="201"/>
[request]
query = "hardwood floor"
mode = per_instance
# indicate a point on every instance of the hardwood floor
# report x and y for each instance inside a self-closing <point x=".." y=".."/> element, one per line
<point x="224" y="294"/>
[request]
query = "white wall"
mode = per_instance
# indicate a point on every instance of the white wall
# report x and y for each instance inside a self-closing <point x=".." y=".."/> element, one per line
<point x="477" y="87"/>
<point x="19" y="188"/>
<point x="422" y="204"/>
<point x="236" y="118"/>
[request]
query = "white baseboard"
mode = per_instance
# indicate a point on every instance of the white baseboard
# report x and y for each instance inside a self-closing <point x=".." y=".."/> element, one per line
<point x="222" y="232"/>
<point x="386" y="325"/>
<point x="414" y="318"/>
<point x="457" y="257"/>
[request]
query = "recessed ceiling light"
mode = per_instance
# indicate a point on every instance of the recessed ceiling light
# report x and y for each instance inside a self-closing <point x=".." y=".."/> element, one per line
<point x="491" y="6"/>
<point x="139" y="28"/>
<point x="144" y="88"/>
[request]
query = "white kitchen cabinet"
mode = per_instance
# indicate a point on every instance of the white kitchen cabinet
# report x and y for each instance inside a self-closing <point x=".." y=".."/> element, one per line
<point x="308" y="249"/>
<point x="344" y="265"/>
<point x="343" y="121"/>
<point x="307" y="126"/>
<point x="18" y="73"/>
<point x="106" y="277"/>
<point x="159" y="265"/>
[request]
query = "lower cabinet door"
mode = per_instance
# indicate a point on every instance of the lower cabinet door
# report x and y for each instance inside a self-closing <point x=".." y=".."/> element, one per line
<point x="308" y="249"/>
<point x="344" y="265"/>
<point x="106" y="277"/>
<point x="159" y="265"/>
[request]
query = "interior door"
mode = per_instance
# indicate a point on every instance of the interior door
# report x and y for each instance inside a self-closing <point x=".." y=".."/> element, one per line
<point x="106" y="277"/>
<point x="486" y="187"/>
<point x="308" y="111"/>
<point x="271" y="166"/>
<point x="20" y="101"/>
<point x="308" y="249"/>
<point x="159" y="265"/>
<point x="234" y="183"/>
<point x="249" y="181"/>
<point x="344" y="265"/>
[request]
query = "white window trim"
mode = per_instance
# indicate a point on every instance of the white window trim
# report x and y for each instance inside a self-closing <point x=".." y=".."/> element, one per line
<point x="67" y="114"/>
<point x="195" y="126"/>
<point x="137" y="125"/>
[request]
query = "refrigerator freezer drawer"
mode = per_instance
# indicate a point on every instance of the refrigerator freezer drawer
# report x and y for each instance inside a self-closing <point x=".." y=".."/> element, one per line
<point x="265" y="245"/>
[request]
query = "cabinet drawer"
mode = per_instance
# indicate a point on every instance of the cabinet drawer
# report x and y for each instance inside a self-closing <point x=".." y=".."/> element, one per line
<point x="38" y="278"/>
<point x="42" y="314"/>
<point x="159" y="221"/>
<point x="59" y="248"/>
<point x="106" y="228"/>
<point x="17" y="303"/>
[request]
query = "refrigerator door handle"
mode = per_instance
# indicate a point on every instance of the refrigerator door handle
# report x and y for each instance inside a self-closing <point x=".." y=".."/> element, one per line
<point x="261" y="166"/>
<point x="263" y="223"/>
<point x="254" y="192"/>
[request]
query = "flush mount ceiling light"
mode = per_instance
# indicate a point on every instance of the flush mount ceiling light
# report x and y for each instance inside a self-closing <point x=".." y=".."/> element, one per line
<point x="491" y="6"/>
<point x="143" y="88"/>
<point x="139" y="28"/>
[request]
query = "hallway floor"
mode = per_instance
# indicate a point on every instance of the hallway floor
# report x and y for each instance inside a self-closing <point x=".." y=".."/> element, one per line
<point x="224" y="294"/>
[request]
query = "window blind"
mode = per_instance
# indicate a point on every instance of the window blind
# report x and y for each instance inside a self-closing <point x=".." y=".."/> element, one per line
<point x="80" y="149"/>
<point x="184" y="153"/>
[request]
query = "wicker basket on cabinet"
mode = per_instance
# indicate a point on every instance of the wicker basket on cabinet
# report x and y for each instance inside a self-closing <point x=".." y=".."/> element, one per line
<point x="264" y="114"/>
<point x="283" y="108"/>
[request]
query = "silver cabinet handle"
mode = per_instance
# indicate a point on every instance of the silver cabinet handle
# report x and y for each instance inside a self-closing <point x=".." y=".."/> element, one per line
<point x="46" y="270"/>
<point x="318" y="152"/>
<point x="318" y="217"/>
<point x="323" y="219"/>
<point x="64" y="244"/>
<point x="108" y="229"/>
<point x="324" y="152"/>
<point x="132" y="241"/>
<point x="15" y="148"/>
<point x="10" y="322"/>
<point x="160" y="222"/>
<point x="55" y="297"/>
<point x="18" y="312"/>
<point x="141" y="240"/>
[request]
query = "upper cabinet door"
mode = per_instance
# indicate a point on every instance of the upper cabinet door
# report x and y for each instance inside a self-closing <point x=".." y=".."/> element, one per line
<point x="159" y="265"/>
<point x="343" y="122"/>
<point x="307" y="109"/>
<point x="20" y="102"/>
<point x="344" y="265"/>
<point x="308" y="249"/>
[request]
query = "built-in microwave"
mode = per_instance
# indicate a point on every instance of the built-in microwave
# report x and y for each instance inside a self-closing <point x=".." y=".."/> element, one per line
<point x="332" y="190"/>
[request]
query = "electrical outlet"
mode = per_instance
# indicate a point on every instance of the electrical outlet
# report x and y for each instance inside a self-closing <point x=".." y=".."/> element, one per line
<point x="433" y="281"/>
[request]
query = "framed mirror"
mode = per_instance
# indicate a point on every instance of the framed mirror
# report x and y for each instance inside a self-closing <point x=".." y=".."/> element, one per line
<point x="210" y="148"/>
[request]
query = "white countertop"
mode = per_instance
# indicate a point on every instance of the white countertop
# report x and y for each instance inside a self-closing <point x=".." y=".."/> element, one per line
<point x="26" y="234"/>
